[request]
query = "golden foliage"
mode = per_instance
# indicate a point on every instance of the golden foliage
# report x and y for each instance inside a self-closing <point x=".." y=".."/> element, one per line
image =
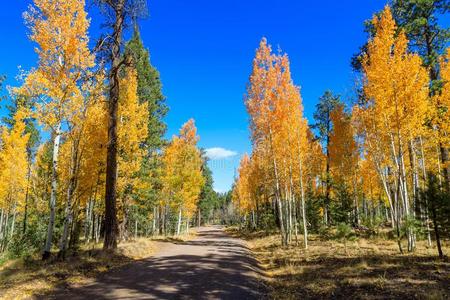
<point x="13" y="163"/>
<point x="182" y="173"/>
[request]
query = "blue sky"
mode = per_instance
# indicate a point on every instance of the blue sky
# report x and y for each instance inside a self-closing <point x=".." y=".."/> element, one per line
<point x="204" y="50"/>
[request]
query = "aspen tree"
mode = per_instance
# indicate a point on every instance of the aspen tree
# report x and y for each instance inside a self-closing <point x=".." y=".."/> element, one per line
<point x="242" y="195"/>
<point x="396" y="85"/>
<point x="259" y="102"/>
<point x="182" y="173"/>
<point x="74" y="152"/>
<point x="279" y="134"/>
<point x="64" y="58"/>
<point x="13" y="173"/>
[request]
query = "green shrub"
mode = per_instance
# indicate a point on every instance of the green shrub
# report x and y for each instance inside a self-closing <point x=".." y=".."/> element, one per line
<point x="345" y="233"/>
<point x="23" y="245"/>
<point x="313" y="215"/>
<point x="267" y="220"/>
<point x="324" y="232"/>
<point x="414" y="225"/>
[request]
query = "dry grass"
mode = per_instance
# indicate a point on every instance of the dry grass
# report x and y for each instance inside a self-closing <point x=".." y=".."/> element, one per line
<point x="20" y="279"/>
<point x="177" y="238"/>
<point x="369" y="269"/>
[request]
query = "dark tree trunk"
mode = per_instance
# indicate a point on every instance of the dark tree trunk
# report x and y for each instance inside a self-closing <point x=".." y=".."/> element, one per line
<point x="111" y="229"/>
<point x="75" y="232"/>
<point x="434" y="194"/>
<point x="436" y="229"/>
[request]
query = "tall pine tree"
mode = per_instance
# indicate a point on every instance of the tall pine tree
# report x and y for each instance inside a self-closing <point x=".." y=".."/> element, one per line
<point x="149" y="90"/>
<point x="327" y="103"/>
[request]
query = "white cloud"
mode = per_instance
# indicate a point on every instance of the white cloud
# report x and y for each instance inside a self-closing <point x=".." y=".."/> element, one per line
<point x="219" y="153"/>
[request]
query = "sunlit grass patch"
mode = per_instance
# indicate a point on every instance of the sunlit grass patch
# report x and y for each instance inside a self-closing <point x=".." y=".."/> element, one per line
<point x="369" y="269"/>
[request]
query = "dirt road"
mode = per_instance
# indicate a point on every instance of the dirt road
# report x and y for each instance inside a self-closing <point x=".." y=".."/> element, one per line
<point x="212" y="266"/>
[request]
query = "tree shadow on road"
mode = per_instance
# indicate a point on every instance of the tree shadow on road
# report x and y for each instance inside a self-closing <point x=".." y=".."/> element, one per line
<point x="226" y="271"/>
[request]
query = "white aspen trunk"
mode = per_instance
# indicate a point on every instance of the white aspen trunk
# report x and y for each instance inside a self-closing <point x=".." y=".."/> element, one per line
<point x="54" y="191"/>
<point x="135" y="229"/>
<point x="280" y="212"/>
<point x="388" y="194"/>
<point x="415" y="178"/>
<point x="287" y="198"/>
<point x="398" y="162"/>
<point x="392" y="209"/>
<point x="406" y="203"/>
<point x="402" y="189"/>
<point x="66" y="226"/>
<point x="70" y="194"/>
<point x="1" y="223"/>
<point x="425" y="178"/>
<point x="288" y="215"/>
<point x="355" y="200"/>
<point x="5" y="231"/>
<point x="155" y="211"/>
<point x="97" y="231"/>
<point x="291" y="226"/>
<point x="397" y="214"/>
<point x="294" y="205"/>
<point x="280" y="206"/>
<point x="294" y="202"/>
<point x="179" y="222"/>
<point x="295" y="216"/>
<point x="286" y="218"/>
<point x="92" y="215"/>
<point x="25" y="212"/>
<point x="187" y="225"/>
<point x="410" y="231"/>
<point x="87" y="220"/>
<point x="163" y="221"/>
<point x="386" y="187"/>
<point x="13" y="223"/>
<point x="302" y="193"/>
<point x="91" y="219"/>
<point x="405" y="187"/>
<point x="278" y="194"/>
<point x="439" y="166"/>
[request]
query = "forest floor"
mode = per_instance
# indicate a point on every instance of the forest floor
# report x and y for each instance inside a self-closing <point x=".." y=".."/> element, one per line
<point x="23" y="278"/>
<point x="365" y="269"/>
